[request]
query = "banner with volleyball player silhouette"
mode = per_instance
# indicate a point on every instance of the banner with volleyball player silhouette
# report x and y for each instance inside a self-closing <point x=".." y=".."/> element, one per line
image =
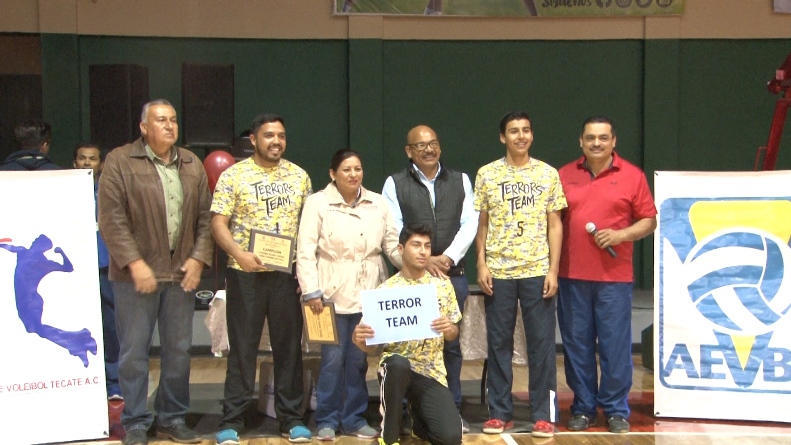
<point x="52" y="380"/>
<point x="722" y="295"/>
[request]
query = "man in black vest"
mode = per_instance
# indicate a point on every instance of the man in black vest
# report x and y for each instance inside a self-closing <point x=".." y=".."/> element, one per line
<point x="427" y="192"/>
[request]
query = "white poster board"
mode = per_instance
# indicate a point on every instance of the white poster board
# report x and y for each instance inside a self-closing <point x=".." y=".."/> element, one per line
<point x="52" y="381"/>
<point x="400" y="313"/>
<point x="722" y="318"/>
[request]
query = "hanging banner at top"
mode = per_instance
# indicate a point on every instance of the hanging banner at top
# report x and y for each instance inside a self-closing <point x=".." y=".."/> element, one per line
<point x="782" y="6"/>
<point x="511" y="8"/>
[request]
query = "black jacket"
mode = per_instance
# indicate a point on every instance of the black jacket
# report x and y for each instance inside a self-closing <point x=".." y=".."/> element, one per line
<point x="27" y="160"/>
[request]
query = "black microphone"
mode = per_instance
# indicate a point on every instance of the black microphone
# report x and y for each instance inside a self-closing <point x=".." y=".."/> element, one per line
<point x="591" y="228"/>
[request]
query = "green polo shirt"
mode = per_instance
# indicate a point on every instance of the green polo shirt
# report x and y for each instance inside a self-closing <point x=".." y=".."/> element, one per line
<point x="174" y="194"/>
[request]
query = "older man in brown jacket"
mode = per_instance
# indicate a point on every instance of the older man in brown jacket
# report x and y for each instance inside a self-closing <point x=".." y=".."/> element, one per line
<point x="154" y="216"/>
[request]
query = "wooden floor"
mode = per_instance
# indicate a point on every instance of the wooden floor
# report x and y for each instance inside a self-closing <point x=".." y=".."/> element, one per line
<point x="645" y="428"/>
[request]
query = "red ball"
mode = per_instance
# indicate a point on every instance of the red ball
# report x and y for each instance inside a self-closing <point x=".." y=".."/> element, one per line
<point x="215" y="163"/>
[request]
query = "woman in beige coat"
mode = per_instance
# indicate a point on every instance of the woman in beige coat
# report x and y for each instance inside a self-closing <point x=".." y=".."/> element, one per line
<point x="343" y="232"/>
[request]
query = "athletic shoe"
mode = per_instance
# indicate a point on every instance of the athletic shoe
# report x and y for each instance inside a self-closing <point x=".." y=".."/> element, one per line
<point x="227" y="437"/>
<point x="178" y="433"/>
<point x="366" y="432"/>
<point x="326" y="433"/>
<point x="496" y="426"/>
<point x="618" y="425"/>
<point x="465" y="427"/>
<point x="542" y="428"/>
<point x="298" y="434"/>
<point x="382" y="442"/>
<point x="579" y="422"/>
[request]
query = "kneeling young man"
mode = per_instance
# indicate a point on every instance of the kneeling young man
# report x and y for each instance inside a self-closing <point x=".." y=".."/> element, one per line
<point x="415" y="369"/>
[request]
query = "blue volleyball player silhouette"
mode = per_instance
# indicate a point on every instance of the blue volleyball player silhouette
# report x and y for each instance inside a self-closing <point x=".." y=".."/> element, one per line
<point x="31" y="267"/>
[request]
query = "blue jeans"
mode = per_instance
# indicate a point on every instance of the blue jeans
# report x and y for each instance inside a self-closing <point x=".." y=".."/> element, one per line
<point x="341" y="393"/>
<point x="538" y="316"/>
<point x="136" y="315"/>
<point x="588" y="310"/>
<point x="111" y="346"/>
<point x="452" y="350"/>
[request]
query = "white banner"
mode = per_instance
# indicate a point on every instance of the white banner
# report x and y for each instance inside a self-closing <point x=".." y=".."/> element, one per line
<point x="722" y="295"/>
<point x="782" y="6"/>
<point x="52" y="383"/>
<point x="400" y="313"/>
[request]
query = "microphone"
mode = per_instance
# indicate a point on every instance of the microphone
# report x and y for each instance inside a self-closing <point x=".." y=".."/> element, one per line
<point x="591" y="228"/>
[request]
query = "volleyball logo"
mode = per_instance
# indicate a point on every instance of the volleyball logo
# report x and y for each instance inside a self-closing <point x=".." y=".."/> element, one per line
<point x="736" y="279"/>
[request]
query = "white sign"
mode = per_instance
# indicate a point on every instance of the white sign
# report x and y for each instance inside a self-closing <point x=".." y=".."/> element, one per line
<point x="400" y="313"/>
<point x="722" y="322"/>
<point x="50" y="311"/>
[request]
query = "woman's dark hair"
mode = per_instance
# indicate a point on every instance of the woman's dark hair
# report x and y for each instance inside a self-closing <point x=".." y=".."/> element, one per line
<point x="342" y="155"/>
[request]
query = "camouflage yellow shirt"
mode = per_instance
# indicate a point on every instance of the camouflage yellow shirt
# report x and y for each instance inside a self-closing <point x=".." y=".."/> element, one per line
<point x="425" y="356"/>
<point x="517" y="200"/>
<point x="254" y="197"/>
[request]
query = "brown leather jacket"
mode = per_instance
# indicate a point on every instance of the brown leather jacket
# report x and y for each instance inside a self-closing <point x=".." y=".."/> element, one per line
<point x="132" y="213"/>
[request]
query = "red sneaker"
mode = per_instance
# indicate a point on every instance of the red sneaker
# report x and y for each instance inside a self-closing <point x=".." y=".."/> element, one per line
<point x="496" y="426"/>
<point x="542" y="428"/>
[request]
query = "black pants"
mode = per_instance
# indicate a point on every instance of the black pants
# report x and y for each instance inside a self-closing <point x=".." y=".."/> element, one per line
<point x="435" y="417"/>
<point x="251" y="298"/>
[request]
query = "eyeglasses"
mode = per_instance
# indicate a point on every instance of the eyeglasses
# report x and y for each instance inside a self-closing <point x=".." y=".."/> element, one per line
<point x="420" y="146"/>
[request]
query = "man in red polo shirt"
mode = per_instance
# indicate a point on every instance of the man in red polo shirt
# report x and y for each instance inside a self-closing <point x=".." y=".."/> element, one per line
<point x="595" y="277"/>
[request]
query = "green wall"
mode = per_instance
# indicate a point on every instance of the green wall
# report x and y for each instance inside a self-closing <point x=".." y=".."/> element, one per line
<point x="678" y="104"/>
<point x="304" y="81"/>
<point x="724" y="107"/>
<point x="60" y="85"/>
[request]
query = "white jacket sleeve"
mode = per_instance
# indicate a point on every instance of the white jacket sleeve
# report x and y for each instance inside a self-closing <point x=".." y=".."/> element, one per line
<point x="307" y="244"/>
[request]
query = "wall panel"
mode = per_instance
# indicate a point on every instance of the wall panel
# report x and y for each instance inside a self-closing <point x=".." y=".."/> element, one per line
<point x="305" y="81"/>
<point x="725" y="108"/>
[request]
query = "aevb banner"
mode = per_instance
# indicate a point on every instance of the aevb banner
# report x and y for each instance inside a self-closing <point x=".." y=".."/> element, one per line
<point x="52" y="380"/>
<point x="722" y="295"/>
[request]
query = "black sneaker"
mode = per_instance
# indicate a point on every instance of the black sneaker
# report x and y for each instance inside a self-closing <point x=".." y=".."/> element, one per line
<point x="580" y="422"/>
<point x="135" y="437"/>
<point x="178" y="433"/>
<point x="618" y="425"/>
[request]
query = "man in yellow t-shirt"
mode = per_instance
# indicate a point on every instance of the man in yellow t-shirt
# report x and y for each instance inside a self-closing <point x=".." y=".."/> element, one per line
<point x="415" y="369"/>
<point x="518" y="250"/>
<point x="264" y="192"/>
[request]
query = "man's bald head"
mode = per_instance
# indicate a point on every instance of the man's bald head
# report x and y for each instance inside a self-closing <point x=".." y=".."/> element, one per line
<point x="414" y="134"/>
<point x="423" y="149"/>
